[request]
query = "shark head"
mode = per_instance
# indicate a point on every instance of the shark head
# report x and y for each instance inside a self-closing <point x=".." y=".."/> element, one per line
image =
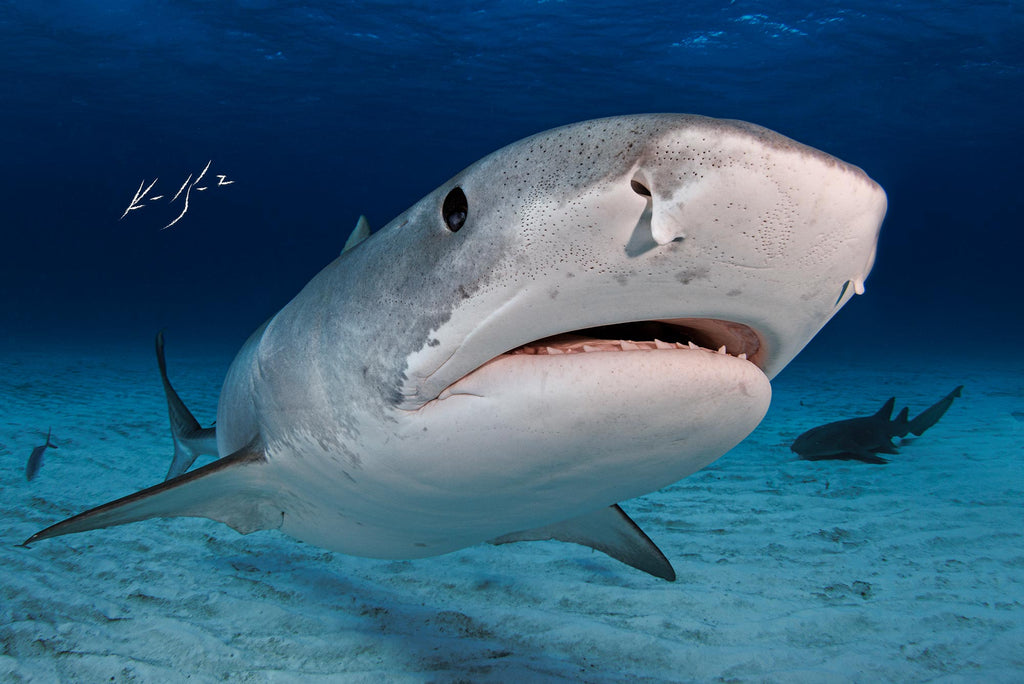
<point x="720" y="231"/>
<point x="581" y="317"/>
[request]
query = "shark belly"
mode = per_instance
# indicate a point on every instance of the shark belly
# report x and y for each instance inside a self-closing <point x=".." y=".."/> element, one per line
<point x="491" y="456"/>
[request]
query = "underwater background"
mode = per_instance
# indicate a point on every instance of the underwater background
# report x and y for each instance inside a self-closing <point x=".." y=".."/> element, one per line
<point x="315" y="113"/>
<point x="321" y="112"/>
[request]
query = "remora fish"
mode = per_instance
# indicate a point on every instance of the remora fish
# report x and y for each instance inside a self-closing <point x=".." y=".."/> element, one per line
<point x="582" y="317"/>
<point x="35" y="459"/>
<point x="861" y="439"/>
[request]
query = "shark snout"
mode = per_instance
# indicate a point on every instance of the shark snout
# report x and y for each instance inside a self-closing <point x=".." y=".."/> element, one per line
<point x="663" y="217"/>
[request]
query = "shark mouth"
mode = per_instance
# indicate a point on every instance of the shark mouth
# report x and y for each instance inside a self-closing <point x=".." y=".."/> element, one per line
<point x="661" y="336"/>
<point x="708" y="334"/>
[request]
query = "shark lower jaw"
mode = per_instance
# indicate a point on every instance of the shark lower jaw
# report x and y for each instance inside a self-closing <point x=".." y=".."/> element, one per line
<point x="609" y="349"/>
<point x="627" y="415"/>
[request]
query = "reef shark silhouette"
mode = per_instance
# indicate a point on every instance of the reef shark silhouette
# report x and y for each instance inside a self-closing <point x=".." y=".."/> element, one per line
<point x="861" y="439"/>
<point x="582" y="317"/>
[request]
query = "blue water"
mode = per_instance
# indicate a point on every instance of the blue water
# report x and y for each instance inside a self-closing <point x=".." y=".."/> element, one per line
<point x="322" y="111"/>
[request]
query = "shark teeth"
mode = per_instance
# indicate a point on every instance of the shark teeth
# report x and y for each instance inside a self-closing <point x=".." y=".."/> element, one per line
<point x="587" y="346"/>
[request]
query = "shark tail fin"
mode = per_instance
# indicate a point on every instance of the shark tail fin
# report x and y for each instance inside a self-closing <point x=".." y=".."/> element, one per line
<point x="190" y="439"/>
<point x="608" y="530"/>
<point x="227" y="490"/>
<point x="886" y="410"/>
<point x="930" y="416"/>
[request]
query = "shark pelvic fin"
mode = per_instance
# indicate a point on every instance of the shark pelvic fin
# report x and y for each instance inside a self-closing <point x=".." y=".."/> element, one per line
<point x="608" y="530"/>
<point x="359" y="233"/>
<point x="227" y="490"/>
<point x="886" y="447"/>
<point x="870" y="457"/>
<point x="190" y="439"/>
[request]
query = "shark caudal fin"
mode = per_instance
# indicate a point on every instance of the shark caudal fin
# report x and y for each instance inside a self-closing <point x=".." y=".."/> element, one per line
<point x="190" y="439"/>
<point x="930" y="416"/>
<point x="608" y="530"/>
<point x="229" y="490"/>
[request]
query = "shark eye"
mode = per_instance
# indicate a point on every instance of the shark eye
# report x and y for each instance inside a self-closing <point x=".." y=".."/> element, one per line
<point x="455" y="209"/>
<point x="639" y="188"/>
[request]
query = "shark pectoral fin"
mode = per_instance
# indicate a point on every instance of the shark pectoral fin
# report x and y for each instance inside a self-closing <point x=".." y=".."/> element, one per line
<point x="359" y="233"/>
<point x="608" y="530"/>
<point x="227" y="490"/>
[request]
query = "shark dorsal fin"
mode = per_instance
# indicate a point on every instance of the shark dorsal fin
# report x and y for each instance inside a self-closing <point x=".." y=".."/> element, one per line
<point x="901" y="426"/>
<point x="886" y="410"/>
<point x="359" y="233"/>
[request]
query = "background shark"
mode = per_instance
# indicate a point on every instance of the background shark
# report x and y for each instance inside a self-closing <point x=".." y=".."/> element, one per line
<point x="861" y="439"/>
<point x="582" y="317"/>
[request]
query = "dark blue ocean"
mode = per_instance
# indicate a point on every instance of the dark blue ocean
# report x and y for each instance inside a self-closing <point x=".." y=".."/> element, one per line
<point x="266" y="128"/>
<point x="320" y="112"/>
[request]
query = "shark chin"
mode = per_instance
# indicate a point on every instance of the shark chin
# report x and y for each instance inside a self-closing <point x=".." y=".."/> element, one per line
<point x="582" y="317"/>
<point x="550" y="400"/>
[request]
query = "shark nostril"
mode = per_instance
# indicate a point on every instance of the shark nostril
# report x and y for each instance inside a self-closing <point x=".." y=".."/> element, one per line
<point x="639" y="188"/>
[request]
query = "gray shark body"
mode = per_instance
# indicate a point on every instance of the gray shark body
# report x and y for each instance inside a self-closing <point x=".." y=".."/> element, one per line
<point x="862" y="439"/>
<point x="582" y="317"/>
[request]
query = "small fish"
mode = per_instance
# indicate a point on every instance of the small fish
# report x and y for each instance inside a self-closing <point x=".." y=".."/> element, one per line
<point x="35" y="461"/>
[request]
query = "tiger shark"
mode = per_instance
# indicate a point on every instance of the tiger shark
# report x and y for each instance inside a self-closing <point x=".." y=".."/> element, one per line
<point x="582" y="317"/>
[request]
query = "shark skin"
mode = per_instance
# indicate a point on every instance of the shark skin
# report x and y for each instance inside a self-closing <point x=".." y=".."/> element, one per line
<point x="582" y="317"/>
<point x="862" y="439"/>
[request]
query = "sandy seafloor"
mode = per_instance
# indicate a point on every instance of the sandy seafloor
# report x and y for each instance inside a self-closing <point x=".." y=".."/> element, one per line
<point x="789" y="571"/>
